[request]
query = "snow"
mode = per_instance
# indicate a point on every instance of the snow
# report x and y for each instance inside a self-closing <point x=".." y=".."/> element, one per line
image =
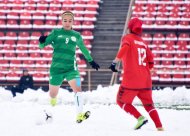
<point x="24" y="115"/>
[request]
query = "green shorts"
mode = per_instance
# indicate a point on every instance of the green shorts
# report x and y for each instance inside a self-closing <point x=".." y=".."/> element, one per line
<point x="59" y="78"/>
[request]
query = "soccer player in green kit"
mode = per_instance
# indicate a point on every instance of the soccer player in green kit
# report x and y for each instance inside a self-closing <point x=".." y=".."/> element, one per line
<point x="64" y="66"/>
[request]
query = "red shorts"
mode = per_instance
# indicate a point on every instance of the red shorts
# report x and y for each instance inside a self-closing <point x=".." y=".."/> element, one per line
<point x="127" y="96"/>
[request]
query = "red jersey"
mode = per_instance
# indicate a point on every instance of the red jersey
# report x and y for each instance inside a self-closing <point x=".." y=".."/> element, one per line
<point x="137" y="60"/>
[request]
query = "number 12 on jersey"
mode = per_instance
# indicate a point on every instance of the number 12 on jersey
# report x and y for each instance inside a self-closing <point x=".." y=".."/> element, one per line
<point x="141" y="56"/>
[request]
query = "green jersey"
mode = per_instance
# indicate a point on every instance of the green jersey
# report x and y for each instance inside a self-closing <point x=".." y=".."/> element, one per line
<point x="64" y="43"/>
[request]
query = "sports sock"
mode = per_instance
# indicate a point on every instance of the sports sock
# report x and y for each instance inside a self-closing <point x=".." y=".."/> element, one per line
<point x="129" y="108"/>
<point x="78" y="102"/>
<point x="154" y="115"/>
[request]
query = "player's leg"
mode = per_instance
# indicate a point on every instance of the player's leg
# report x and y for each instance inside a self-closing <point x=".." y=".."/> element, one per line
<point x="125" y="99"/>
<point x="146" y="98"/>
<point x="54" y="85"/>
<point x="75" y="83"/>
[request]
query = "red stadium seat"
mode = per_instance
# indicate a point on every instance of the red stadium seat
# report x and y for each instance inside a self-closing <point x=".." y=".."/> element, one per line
<point x="22" y="43"/>
<point x="158" y="36"/>
<point x="87" y="25"/>
<point x="167" y="64"/>
<point x="89" y="17"/>
<point x="16" y="63"/>
<point x="13" y="15"/>
<point x="21" y="49"/>
<point x="2" y="76"/>
<point x="33" y="49"/>
<point x="41" y="64"/>
<point x="183" y="25"/>
<point x="178" y="78"/>
<point x="3" y="24"/>
<point x="25" y="24"/>
<point x="184" y="37"/>
<point x="25" y="16"/>
<point x="179" y="64"/>
<point x="12" y="24"/>
<point x="10" y="56"/>
<point x="49" y="24"/>
<point x="171" y="37"/>
<point x="87" y="35"/>
<point x="23" y="36"/>
<point x="165" y="78"/>
<point x="51" y="16"/>
<point x="35" y="35"/>
<point x="39" y="77"/>
<point x="38" y="24"/>
<point x="11" y="36"/>
<point x="8" y="49"/>
<point x="155" y="76"/>
<point x="28" y="63"/>
<point x="12" y="76"/>
<point x="4" y="64"/>
<point x="38" y="16"/>
<point x="22" y="56"/>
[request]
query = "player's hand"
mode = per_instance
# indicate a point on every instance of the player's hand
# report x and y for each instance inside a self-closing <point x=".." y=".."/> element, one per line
<point x="112" y="67"/>
<point x="94" y="65"/>
<point x="42" y="39"/>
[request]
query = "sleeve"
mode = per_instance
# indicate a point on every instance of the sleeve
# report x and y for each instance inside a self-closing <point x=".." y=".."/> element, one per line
<point x="31" y="82"/>
<point x="48" y="40"/>
<point x="83" y="48"/>
<point x="124" y="48"/>
<point x="150" y="58"/>
<point x="20" y="81"/>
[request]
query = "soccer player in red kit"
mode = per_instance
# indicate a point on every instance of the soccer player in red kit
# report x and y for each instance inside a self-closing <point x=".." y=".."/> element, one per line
<point x="137" y="61"/>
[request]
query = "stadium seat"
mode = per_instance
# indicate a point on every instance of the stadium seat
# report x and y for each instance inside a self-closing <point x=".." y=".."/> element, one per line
<point x="23" y="36"/>
<point x="16" y="63"/>
<point x="184" y="37"/>
<point x="50" y="24"/>
<point x="165" y="78"/>
<point x="8" y="49"/>
<point x="38" y="24"/>
<point x="25" y="24"/>
<point x="22" y="43"/>
<point x="38" y="16"/>
<point x="3" y="24"/>
<point x="39" y="77"/>
<point x="22" y="56"/>
<point x="9" y="56"/>
<point x="21" y="49"/>
<point x="26" y="15"/>
<point x="12" y="24"/>
<point x="51" y="16"/>
<point x="11" y="36"/>
<point x="2" y="76"/>
<point x="87" y="35"/>
<point x="35" y="36"/>
<point x="12" y="76"/>
<point x="87" y="25"/>
<point x="13" y="15"/>
<point x="4" y="64"/>
<point x="28" y="64"/>
<point x="178" y="78"/>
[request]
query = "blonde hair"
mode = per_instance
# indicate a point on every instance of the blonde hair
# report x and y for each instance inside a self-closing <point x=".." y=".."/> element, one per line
<point x="67" y="13"/>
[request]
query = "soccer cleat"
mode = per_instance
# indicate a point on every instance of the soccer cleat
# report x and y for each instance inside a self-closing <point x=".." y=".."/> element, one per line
<point x="160" y="129"/>
<point x="141" y="121"/>
<point x="53" y="101"/>
<point x="82" y="116"/>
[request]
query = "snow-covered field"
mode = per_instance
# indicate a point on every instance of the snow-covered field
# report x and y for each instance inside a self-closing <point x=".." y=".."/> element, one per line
<point x="24" y="114"/>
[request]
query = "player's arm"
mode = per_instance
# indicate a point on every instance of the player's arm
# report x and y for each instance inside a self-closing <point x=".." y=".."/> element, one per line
<point x="120" y="54"/>
<point x="46" y="40"/>
<point x="86" y="53"/>
<point x="150" y="58"/>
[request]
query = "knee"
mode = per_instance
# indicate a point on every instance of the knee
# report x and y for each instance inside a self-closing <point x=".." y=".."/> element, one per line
<point x="148" y="107"/>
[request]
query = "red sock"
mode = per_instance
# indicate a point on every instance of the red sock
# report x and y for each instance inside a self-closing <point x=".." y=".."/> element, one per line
<point x="154" y="115"/>
<point x="129" y="108"/>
